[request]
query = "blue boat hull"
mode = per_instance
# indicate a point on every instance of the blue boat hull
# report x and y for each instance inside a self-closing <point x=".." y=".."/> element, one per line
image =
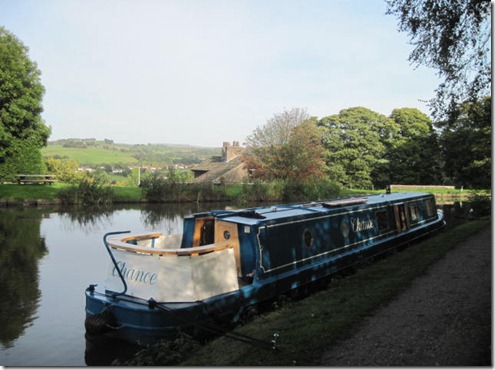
<point x="285" y="256"/>
<point x="141" y="323"/>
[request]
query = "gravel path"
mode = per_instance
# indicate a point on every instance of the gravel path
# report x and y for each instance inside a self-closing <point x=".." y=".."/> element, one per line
<point x="443" y="319"/>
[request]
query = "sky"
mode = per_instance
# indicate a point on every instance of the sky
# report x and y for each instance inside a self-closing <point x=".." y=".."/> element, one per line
<point x="201" y="72"/>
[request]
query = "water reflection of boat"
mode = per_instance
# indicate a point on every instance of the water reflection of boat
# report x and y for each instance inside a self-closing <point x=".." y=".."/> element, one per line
<point x="227" y="261"/>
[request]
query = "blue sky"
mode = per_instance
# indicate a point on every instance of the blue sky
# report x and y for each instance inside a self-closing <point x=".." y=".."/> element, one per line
<point x="202" y="72"/>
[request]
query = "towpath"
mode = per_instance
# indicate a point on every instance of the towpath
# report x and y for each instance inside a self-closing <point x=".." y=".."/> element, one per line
<point x="443" y="319"/>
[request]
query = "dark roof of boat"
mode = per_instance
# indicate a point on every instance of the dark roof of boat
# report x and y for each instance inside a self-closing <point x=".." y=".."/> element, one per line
<point x="277" y="213"/>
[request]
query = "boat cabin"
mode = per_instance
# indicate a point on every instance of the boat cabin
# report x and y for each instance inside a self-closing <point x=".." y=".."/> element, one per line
<point x="232" y="249"/>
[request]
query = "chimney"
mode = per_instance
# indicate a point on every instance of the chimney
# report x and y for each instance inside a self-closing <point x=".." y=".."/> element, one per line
<point x="229" y="151"/>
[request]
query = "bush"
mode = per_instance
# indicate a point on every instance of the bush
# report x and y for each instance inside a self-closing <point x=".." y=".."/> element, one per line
<point x="260" y="191"/>
<point x="157" y="188"/>
<point x="64" y="169"/>
<point x="87" y="192"/>
<point x="310" y="190"/>
<point x="481" y="204"/>
<point x="289" y="191"/>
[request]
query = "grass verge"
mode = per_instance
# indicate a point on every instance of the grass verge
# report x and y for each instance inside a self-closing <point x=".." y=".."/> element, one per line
<point x="310" y="326"/>
<point x="51" y="192"/>
<point x="24" y="192"/>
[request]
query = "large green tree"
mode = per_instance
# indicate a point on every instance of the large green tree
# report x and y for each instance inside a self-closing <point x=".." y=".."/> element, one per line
<point x="22" y="130"/>
<point x="453" y="37"/>
<point x="414" y="156"/>
<point x="356" y="141"/>
<point x="467" y="145"/>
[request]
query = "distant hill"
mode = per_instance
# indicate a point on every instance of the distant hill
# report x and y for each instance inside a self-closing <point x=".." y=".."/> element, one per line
<point x="99" y="152"/>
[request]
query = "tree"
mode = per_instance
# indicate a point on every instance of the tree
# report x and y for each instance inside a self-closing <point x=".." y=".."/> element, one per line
<point x="356" y="141"/>
<point x="414" y="156"/>
<point x="22" y="130"/>
<point x="295" y="156"/>
<point x="304" y="155"/>
<point x="65" y="170"/>
<point x="452" y="36"/>
<point x="467" y="144"/>
<point x="262" y="154"/>
<point x="276" y="131"/>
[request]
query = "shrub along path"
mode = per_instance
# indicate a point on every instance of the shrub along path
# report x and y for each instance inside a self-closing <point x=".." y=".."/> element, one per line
<point x="444" y="319"/>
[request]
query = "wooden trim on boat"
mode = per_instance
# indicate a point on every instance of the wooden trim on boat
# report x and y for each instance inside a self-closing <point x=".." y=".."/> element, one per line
<point x="122" y="244"/>
<point x="142" y="237"/>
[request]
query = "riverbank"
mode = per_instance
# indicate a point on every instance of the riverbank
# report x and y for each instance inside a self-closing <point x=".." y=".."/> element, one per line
<point x="308" y="328"/>
<point x="14" y="195"/>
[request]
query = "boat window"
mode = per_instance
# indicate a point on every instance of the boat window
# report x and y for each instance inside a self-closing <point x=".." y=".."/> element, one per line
<point x="401" y="217"/>
<point x="308" y="238"/>
<point x="430" y="208"/>
<point x="382" y="219"/>
<point x="413" y="211"/>
<point x="207" y="233"/>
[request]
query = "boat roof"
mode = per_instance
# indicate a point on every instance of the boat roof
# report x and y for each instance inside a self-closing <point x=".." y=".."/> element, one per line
<point x="276" y="213"/>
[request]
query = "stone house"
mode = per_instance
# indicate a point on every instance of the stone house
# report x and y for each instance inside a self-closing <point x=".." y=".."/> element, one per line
<point x="224" y="169"/>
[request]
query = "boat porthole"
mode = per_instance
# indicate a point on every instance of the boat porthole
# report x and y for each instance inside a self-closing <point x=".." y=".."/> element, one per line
<point x="226" y="235"/>
<point x="344" y="229"/>
<point x="308" y="238"/>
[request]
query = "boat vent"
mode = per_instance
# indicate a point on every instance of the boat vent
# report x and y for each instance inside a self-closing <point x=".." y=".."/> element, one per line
<point x="251" y="214"/>
<point x="312" y="204"/>
<point x="344" y="202"/>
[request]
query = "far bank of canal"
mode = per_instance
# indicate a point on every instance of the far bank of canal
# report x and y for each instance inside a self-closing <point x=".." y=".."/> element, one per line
<point x="14" y="195"/>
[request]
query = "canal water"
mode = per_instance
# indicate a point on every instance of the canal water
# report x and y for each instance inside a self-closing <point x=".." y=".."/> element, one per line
<point x="49" y="257"/>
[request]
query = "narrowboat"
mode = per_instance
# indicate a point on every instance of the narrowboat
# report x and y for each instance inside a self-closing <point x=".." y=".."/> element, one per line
<point x="226" y="261"/>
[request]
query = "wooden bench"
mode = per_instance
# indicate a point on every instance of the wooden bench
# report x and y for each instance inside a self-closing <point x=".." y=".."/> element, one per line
<point x="36" y="179"/>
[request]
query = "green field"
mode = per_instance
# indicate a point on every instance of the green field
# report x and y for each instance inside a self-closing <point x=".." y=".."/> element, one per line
<point x="91" y="152"/>
<point x="91" y="155"/>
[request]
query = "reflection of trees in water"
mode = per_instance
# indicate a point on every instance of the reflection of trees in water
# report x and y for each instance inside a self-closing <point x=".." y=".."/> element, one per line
<point x="165" y="217"/>
<point x="168" y="217"/>
<point x="86" y="218"/>
<point x="21" y="247"/>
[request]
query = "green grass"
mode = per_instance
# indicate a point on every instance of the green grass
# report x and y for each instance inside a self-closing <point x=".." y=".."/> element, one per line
<point x="436" y="190"/>
<point x="310" y="326"/>
<point x="50" y="192"/>
<point x="26" y="192"/>
<point x="125" y="194"/>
